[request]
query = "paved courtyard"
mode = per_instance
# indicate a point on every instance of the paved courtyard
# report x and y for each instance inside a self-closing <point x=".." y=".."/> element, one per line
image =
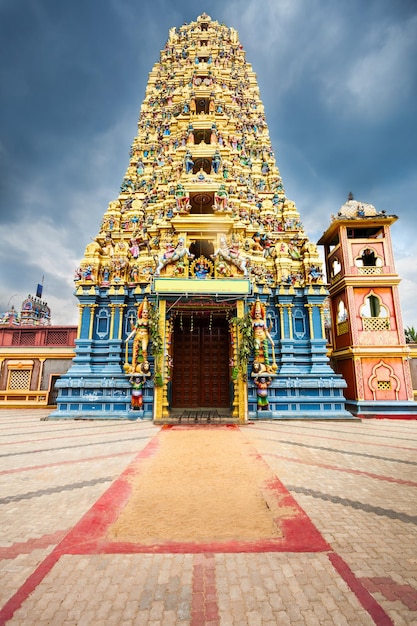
<point x="350" y="559"/>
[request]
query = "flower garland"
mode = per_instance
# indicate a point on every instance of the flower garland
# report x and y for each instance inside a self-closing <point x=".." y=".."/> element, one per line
<point x="246" y="341"/>
<point x="157" y="342"/>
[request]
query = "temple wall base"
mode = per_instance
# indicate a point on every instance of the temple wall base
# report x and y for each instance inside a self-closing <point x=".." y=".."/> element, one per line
<point x="96" y="396"/>
<point x="383" y="410"/>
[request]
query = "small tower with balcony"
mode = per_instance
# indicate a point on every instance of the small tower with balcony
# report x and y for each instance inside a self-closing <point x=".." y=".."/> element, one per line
<point x="368" y="342"/>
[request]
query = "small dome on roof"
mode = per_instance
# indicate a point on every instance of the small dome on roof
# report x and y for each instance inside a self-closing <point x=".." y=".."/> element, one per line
<point x="355" y="208"/>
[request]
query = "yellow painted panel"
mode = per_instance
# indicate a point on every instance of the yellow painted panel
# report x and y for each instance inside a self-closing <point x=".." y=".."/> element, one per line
<point x="190" y="285"/>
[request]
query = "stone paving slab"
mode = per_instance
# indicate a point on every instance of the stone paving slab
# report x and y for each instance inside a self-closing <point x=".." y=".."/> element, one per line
<point x="356" y="482"/>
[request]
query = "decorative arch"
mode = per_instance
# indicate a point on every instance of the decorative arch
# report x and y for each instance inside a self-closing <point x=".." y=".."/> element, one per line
<point x="336" y="267"/>
<point x="342" y="314"/>
<point x="129" y="320"/>
<point x="368" y="258"/>
<point x="103" y="324"/>
<point x="342" y="317"/>
<point x="373" y="307"/>
<point x="374" y="314"/>
<point x="299" y="324"/>
<point x="383" y="383"/>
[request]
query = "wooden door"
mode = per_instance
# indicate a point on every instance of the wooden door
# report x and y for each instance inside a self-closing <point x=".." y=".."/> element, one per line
<point x="201" y="363"/>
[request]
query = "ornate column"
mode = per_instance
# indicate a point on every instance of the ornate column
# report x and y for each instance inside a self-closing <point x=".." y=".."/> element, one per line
<point x="309" y="307"/>
<point x="81" y="308"/>
<point x="322" y="326"/>
<point x="112" y="312"/>
<point x="42" y="362"/>
<point x="92" y="308"/>
<point x="160" y="392"/>
<point x="289" y="315"/>
<point x="281" y="319"/>
<point x="120" y="328"/>
<point x="242" y="380"/>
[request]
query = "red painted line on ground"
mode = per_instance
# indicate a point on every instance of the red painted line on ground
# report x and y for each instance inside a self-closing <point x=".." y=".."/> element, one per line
<point x="369" y="603"/>
<point x="375" y="416"/>
<point x="392" y="590"/>
<point x="399" y="481"/>
<point x="88" y="459"/>
<point x="292" y="543"/>
<point x="355" y="441"/>
<point x="204" y="606"/>
<point x="26" y="547"/>
<point x="200" y="426"/>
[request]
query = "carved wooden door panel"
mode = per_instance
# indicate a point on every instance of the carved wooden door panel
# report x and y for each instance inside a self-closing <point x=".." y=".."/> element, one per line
<point x="201" y="364"/>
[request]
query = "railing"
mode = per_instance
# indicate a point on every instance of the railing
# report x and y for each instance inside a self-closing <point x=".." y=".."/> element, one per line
<point x="369" y="271"/>
<point x="23" y="397"/>
<point x="342" y="328"/>
<point x="376" y="323"/>
<point x="34" y="336"/>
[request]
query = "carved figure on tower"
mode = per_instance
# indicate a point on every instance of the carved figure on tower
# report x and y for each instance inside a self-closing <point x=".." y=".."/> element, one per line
<point x="182" y="199"/>
<point x="216" y="161"/>
<point x="188" y="162"/>
<point x="262" y="340"/>
<point x="230" y="254"/>
<point x="140" y="336"/>
<point x="173" y="255"/>
<point x="221" y="198"/>
<point x="262" y="383"/>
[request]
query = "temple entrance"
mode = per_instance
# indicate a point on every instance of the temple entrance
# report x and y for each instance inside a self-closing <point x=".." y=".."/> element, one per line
<point x="200" y="376"/>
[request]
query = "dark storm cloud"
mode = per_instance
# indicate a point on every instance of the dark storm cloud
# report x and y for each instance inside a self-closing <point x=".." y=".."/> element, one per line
<point x="338" y="81"/>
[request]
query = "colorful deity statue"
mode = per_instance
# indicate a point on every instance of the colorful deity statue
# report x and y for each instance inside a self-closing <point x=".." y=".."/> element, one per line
<point x="182" y="199"/>
<point x="230" y="254"/>
<point x="140" y="335"/>
<point x="137" y="383"/>
<point x="221" y="198"/>
<point x="262" y="338"/>
<point x="262" y="383"/>
<point x="216" y="161"/>
<point x="188" y="162"/>
<point x="173" y="255"/>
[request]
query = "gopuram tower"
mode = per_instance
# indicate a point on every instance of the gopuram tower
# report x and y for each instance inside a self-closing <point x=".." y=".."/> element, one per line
<point x="201" y="296"/>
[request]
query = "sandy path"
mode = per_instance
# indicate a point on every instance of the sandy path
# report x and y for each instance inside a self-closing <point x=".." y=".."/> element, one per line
<point x="201" y="485"/>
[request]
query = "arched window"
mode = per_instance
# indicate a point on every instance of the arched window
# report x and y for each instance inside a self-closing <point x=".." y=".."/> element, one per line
<point x="374" y="313"/>
<point x="102" y="324"/>
<point x="129" y="321"/>
<point x="299" y="324"/>
<point x="336" y="266"/>
<point x="341" y="312"/>
<point x="368" y="262"/>
<point x="342" y="325"/>
<point x="368" y="257"/>
<point x="372" y="307"/>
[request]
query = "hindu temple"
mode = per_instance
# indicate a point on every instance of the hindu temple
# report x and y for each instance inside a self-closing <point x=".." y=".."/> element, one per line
<point x="201" y="294"/>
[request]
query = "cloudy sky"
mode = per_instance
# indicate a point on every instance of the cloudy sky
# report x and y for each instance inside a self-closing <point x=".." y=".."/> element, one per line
<point x="339" y="85"/>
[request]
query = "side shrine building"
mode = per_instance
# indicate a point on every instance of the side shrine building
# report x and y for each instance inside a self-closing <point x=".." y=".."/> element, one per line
<point x="368" y="344"/>
<point x="201" y="293"/>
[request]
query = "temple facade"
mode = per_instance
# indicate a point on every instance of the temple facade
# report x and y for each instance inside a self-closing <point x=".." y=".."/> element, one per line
<point x="201" y="293"/>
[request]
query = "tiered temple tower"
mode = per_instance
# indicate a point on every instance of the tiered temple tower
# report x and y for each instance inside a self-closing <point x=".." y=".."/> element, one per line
<point x="368" y="342"/>
<point x="201" y="289"/>
<point x="34" y="312"/>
